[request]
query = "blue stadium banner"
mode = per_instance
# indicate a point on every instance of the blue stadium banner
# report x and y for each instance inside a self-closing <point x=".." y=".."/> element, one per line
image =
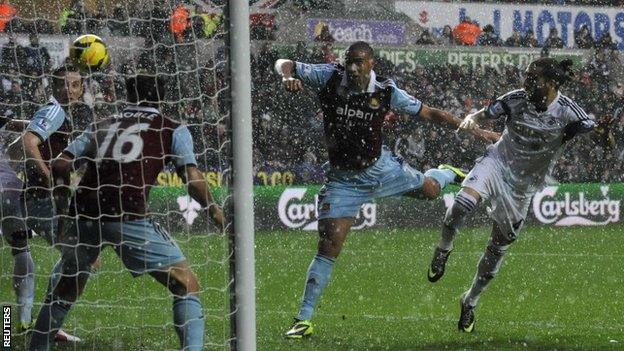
<point x="509" y="17"/>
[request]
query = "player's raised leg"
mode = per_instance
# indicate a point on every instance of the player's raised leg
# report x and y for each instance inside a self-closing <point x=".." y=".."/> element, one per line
<point x="465" y="202"/>
<point x="433" y="182"/>
<point x="477" y="182"/>
<point x="332" y="234"/>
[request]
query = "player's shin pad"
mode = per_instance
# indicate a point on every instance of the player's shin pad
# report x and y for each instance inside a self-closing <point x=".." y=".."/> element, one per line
<point x="462" y="206"/>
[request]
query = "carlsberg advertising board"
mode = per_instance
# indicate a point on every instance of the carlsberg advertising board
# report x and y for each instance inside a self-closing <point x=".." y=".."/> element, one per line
<point x="284" y="207"/>
<point x="295" y="212"/>
<point x="557" y="206"/>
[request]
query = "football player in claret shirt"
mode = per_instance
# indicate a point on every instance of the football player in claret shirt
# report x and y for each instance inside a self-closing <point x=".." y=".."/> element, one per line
<point x="45" y="136"/>
<point x="354" y="101"/>
<point x="539" y="120"/>
<point x="124" y="155"/>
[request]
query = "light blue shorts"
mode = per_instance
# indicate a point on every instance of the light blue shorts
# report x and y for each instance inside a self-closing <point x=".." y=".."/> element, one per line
<point x="345" y="191"/>
<point x="143" y="245"/>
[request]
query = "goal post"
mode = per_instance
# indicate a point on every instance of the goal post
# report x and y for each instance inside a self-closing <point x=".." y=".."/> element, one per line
<point x="242" y="231"/>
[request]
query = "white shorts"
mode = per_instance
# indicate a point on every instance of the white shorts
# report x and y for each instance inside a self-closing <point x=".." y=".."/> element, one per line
<point x="509" y="207"/>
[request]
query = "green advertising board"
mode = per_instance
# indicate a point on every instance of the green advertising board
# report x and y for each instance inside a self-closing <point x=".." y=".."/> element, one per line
<point x="410" y="57"/>
<point x="495" y="57"/>
<point x="294" y="207"/>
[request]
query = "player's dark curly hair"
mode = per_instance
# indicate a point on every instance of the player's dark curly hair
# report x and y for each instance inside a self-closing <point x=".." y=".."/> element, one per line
<point x="58" y="74"/>
<point x="559" y="72"/>
<point x="361" y="46"/>
<point x="145" y="88"/>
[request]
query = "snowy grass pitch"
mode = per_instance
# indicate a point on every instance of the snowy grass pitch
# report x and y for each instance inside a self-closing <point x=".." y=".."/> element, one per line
<point x="558" y="289"/>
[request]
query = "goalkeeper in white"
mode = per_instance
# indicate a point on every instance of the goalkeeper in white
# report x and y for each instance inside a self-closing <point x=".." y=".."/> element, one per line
<point x="539" y="120"/>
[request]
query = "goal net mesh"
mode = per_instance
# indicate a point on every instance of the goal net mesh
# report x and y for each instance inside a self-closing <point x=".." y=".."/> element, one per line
<point x="186" y="43"/>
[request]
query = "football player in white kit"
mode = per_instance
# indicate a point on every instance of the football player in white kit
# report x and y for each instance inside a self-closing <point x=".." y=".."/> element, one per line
<point x="539" y="120"/>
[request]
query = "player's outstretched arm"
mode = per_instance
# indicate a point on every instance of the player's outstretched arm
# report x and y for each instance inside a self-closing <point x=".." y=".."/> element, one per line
<point x="439" y="116"/>
<point x="468" y="124"/>
<point x="296" y="74"/>
<point x="198" y="190"/>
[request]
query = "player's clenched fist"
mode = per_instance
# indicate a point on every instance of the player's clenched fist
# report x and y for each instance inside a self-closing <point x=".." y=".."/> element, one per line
<point x="292" y="84"/>
<point x="469" y="123"/>
<point x="286" y="69"/>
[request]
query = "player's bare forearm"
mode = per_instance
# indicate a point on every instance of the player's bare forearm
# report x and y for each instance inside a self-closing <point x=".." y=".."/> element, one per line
<point x="61" y="175"/>
<point x="486" y="135"/>
<point x="34" y="160"/>
<point x="15" y="125"/>
<point x="439" y="116"/>
<point x="443" y="117"/>
<point x="198" y="190"/>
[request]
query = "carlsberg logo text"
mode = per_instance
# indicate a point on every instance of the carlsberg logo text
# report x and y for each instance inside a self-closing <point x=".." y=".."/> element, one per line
<point x="297" y="214"/>
<point x="575" y="208"/>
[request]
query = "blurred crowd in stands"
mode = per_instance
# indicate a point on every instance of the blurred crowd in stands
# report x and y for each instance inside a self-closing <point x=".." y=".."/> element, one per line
<point x="186" y="20"/>
<point x="288" y="128"/>
<point x="469" y="32"/>
<point x="558" y="2"/>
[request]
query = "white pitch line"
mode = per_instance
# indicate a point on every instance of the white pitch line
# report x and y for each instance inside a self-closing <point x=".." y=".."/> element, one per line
<point x="375" y="252"/>
<point x="417" y="318"/>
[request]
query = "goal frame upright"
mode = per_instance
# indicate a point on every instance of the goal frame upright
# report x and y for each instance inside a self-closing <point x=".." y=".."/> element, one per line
<point x="242" y="260"/>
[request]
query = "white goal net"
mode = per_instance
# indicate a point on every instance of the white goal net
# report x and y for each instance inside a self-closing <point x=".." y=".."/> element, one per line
<point x="186" y="44"/>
